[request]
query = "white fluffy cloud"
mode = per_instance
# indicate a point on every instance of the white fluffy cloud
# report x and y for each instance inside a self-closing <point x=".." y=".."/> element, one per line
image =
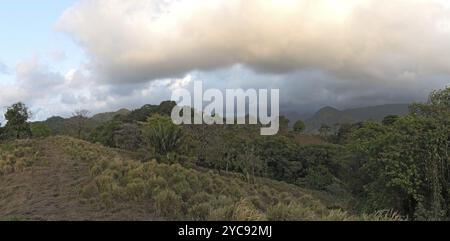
<point x="48" y="92"/>
<point x="375" y="40"/>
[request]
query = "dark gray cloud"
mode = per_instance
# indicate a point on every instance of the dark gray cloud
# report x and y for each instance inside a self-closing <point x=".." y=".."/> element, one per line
<point x="309" y="90"/>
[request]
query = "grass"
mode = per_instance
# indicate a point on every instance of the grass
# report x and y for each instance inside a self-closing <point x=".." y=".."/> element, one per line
<point x="17" y="156"/>
<point x="174" y="192"/>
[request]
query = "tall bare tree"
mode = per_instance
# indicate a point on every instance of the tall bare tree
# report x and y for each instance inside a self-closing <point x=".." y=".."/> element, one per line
<point x="80" y="117"/>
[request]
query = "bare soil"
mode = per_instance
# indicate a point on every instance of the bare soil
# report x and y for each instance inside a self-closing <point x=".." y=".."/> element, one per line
<point x="50" y="190"/>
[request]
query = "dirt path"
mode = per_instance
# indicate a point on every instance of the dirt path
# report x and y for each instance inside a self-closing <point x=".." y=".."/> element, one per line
<point x="49" y="190"/>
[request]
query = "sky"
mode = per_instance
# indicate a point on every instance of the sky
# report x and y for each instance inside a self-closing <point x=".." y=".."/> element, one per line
<point x="103" y="55"/>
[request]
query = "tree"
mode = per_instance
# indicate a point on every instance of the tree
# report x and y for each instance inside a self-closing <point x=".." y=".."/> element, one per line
<point x="80" y="118"/>
<point x="343" y="133"/>
<point x="299" y="126"/>
<point x="324" y="130"/>
<point x="438" y="104"/>
<point x="405" y="166"/>
<point x="162" y="134"/>
<point x="17" y="116"/>
<point x="390" y="120"/>
<point x="2" y="132"/>
<point x="105" y="134"/>
<point x="280" y="154"/>
<point x="40" y="130"/>
<point x="128" y="136"/>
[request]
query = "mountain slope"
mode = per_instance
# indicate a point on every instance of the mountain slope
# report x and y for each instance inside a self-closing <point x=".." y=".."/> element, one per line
<point x="107" y="116"/>
<point x="331" y="116"/>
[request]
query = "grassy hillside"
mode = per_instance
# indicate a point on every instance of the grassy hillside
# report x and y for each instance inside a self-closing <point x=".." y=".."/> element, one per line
<point x="61" y="178"/>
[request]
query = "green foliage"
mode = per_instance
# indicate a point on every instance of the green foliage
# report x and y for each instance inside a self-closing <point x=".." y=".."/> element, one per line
<point x="232" y="173"/>
<point x="141" y="114"/>
<point x="404" y="165"/>
<point x="408" y="167"/>
<point x="17" y="116"/>
<point x="343" y="133"/>
<point x="162" y="134"/>
<point x="299" y="126"/>
<point x="390" y="120"/>
<point x="324" y="130"/>
<point x="173" y="192"/>
<point x="280" y="154"/>
<point x="438" y="105"/>
<point x="178" y="193"/>
<point x="40" y="130"/>
<point x="105" y="134"/>
<point x="319" y="177"/>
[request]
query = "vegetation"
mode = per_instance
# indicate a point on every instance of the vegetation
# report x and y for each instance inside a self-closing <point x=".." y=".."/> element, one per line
<point x="162" y="134"/>
<point x="393" y="169"/>
<point x="17" y="156"/>
<point x="299" y="126"/>
<point x="40" y="130"/>
<point x="179" y="193"/>
<point x="17" y="125"/>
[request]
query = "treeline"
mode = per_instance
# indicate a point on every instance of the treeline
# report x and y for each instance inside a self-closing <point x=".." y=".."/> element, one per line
<point x="401" y="164"/>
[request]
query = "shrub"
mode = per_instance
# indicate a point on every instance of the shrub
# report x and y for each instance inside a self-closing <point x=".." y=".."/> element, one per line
<point x="319" y="177"/>
<point x="136" y="190"/>
<point x="168" y="204"/>
<point x="162" y="134"/>
<point x="244" y="210"/>
<point x="200" y="212"/>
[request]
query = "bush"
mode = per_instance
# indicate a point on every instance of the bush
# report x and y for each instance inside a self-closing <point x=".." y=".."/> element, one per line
<point x="319" y="177"/>
<point x="168" y="204"/>
<point x="200" y="212"/>
<point x="291" y="212"/>
<point x="244" y="210"/>
<point x="162" y="134"/>
<point x="17" y="156"/>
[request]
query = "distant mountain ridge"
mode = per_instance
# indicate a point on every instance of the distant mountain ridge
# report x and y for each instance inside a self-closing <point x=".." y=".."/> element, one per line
<point x="327" y="115"/>
<point x="60" y="125"/>
<point x="66" y="126"/>
<point x="107" y="116"/>
<point x="332" y="116"/>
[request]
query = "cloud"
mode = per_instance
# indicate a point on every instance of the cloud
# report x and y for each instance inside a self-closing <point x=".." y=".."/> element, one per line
<point x="57" y="55"/>
<point x="343" y="53"/>
<point x="31" y="74"/>
<point x="307" y="91"/>
<point x="4" y="69"/>
<point x="141" y="40"/>
<point x="48" y="92"/>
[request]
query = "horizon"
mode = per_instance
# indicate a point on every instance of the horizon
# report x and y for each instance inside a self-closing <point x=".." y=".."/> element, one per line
<point x="292" y="117"/>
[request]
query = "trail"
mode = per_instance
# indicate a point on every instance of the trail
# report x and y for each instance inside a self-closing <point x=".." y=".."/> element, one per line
<point x="50" y="190"/>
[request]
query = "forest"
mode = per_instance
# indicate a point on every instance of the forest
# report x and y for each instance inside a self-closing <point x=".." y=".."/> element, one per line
<point x="397" y="169"/>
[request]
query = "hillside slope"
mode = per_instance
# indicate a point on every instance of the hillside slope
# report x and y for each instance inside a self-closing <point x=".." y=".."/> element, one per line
<point x="48" y="186"/>
<point x="61" y="178"/>
<point x="331" y="116"/>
